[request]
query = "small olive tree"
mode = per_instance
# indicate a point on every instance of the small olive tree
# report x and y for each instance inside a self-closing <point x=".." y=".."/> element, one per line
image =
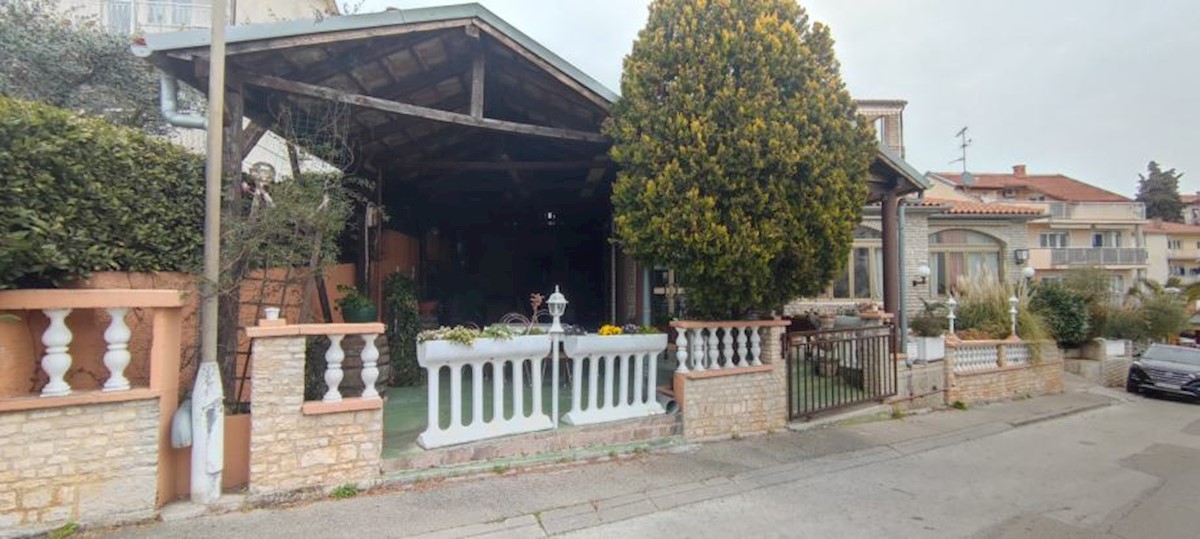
<point x="743" y="162"/>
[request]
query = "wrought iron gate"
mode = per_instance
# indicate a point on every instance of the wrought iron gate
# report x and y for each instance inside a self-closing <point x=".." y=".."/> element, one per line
<point x="837" y="368"/>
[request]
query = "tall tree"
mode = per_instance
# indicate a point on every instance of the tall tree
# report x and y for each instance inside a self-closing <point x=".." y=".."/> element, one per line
<point x="1158" y="189"/>
<point x="743" y="161"/>
<point x="74" y="64"/>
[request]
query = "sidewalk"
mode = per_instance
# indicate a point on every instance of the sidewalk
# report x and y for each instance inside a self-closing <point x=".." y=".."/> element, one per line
<point x="554" y="500"/>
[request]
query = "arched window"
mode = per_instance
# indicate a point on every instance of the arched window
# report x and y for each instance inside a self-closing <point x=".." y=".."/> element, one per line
<point x="958" y="253"/>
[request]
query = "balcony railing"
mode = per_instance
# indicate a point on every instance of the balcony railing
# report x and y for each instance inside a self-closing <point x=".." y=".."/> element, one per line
<point x="1098" y="256"/>
<point x="1098" y="211"/>
<point x="142" y="16"/>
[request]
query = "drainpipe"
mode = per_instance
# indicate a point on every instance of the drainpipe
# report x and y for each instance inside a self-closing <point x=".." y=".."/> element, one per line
<point x="902" y="319"/>
<point x="169" y="103"/>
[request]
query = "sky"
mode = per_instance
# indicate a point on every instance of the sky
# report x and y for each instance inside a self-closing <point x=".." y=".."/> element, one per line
<point x="1094" y="89"/>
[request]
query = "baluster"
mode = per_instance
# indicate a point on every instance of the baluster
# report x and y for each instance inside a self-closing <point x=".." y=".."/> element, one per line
<point x="536" y="363"/>
<point x="639" y="363"/>
<point x="609" y="363"/>
<point x="576" y="386"/>
<point x="755" y="346"/>
<point x="518" y="389"/>
<point x="370" y="367"/>
<point x="651" y="378"/>
<point x="681" y="350"/>
<point x="714" y="348"/>
<point x="477" y="393"/>
<point x="698" y="355"/>
<point x="57" y="359"/>
<point x="593" y="375"/>
<point x="333" y="369"/>
<point x="435" y="383"/>
<point x="626" y="362"/>
<point x="116" y="359"/>
<point x="456" y="396"/>
<point x="728" y="341"/>
<point x="743" y="360"/>
<point x="498" y="391"/>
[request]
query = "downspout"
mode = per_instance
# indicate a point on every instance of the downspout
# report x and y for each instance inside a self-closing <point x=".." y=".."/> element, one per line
<point x="903" y="318"/>
<point x="169" y="103"/>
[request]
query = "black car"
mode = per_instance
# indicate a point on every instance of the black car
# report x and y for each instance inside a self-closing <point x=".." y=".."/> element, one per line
<point x="1166" y="369"/>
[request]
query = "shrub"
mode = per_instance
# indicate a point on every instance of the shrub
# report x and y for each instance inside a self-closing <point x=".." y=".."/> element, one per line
<point x="81" y="195"/>
<point x="742" y="158"/>
<point x="403" y="324"/>
<point x="1065" y="312"/>
<point x="1125" y="324"/>
<point x="931" y="322"/>
<point x="983" y="305"/>
<point x="1094" y="285"/>
<point x="1165" y="314"/>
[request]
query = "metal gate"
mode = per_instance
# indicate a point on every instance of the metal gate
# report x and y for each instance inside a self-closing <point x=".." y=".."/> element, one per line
<point x="837" y="368"/>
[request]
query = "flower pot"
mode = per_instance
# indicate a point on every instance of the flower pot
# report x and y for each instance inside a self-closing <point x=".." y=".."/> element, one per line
<point x="929" y="348"/>
<point x="608" y="345"/>
<point x="433" y="353"/>
<point x="359" y="314"/>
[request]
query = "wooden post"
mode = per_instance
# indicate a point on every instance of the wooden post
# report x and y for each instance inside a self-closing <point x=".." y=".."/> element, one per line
<point x="891" y="256"/>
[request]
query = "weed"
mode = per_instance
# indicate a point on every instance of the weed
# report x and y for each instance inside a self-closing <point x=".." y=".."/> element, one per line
<point x="959" y="405"/>
<point x="499" y="469"/>
<point x="898" y="413"/>
<point x="612" y="454"/>
<point x="343" y="492"/>
<point x="66" y="530"/>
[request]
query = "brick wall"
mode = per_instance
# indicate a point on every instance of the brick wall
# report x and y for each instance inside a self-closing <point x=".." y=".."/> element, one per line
<point x="741" y="401"/>
<point x="92" y="464"/>
<point x="291" y="452"/>
<point x="1038" y="378"/>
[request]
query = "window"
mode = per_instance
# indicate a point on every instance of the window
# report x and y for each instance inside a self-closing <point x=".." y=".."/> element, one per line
<point x="120" y="16"/>
<point x="182" y="11"/>
<point x="863" y="278"/>
<point x="1178" y="271"/>
<point x="1118" y="288"/>
<point x="1054" y="239"/>
<point x="960" y="253"/>
<point x="1198" y="245"/>
<point x="1106" y="238"/>
<point x="1174" y="245"/>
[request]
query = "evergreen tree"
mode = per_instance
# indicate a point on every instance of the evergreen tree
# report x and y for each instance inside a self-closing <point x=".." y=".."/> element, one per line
<point x="1159" y="191"/>
<point x="743" y="161"/>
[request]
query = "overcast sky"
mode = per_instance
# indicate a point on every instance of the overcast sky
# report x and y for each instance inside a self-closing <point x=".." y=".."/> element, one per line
<point x="1093" y="89"/>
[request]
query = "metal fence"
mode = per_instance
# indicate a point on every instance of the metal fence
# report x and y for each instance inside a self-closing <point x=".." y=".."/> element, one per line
<point x="837" y="368"/>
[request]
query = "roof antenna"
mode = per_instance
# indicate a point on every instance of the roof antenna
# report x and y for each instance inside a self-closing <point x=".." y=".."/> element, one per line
<point x="968" y="180"/>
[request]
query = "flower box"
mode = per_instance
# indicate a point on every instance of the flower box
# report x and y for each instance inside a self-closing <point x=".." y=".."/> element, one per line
<point x="442" y="352"/>
<point x="610" y="345"/>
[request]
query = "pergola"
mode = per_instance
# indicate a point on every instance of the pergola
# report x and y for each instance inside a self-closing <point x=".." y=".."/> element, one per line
<point x="463" y="123"/>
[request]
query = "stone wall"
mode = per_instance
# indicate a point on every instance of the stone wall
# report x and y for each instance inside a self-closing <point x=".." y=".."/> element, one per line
<point x="293" y="452"/>
<point x="921" y="385"/>
<point x="1038" y="378"/>
<point x="92" y="464"/>
<point x="735" y="402"/>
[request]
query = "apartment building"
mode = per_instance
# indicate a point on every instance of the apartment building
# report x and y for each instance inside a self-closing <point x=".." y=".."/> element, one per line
<point x="1174" y="251"/>
<point x="1083" y="225"/>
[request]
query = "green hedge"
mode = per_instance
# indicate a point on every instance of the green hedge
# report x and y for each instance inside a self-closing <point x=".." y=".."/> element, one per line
<point x="81" y="195"/>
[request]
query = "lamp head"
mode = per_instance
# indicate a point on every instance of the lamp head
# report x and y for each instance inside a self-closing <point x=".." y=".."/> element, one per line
<point x="557" y="304"/>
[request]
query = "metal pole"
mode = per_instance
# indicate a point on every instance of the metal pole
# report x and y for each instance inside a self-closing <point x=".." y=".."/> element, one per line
<point x="208" y="413"/>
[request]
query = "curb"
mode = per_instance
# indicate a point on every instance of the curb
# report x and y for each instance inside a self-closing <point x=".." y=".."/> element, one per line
<point x="1059" y="414"/>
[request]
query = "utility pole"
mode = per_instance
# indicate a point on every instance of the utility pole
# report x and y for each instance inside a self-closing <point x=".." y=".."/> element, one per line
<point x="208" y="408"/>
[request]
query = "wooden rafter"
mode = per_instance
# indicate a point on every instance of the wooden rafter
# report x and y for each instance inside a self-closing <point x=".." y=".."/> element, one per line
<point x="506" y="164"/>
<point x="414" y="111"/>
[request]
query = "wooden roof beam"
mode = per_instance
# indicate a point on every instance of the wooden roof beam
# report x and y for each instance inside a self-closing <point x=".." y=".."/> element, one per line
<point x="414" y="111"/>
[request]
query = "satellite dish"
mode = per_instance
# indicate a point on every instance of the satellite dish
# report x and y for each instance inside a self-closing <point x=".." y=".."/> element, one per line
<point x="968" y="179"/>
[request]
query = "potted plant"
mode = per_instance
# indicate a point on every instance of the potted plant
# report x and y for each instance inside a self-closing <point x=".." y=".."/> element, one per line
<point x="356" y="307"/>
<point x="613" y="340"/>
<point x="928" y="333"/>
<point x="460" y="344"/>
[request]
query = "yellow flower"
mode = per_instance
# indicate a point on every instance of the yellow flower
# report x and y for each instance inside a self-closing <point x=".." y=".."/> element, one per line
<point x="609" y="329"/>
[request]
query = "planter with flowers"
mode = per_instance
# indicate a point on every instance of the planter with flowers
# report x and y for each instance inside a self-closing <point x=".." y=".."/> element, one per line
<point x="632" y="351"/>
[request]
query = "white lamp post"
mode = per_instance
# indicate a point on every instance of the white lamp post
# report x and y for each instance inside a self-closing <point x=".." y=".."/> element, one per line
<point x="1012" y="311"/>
<point x="952" y="304"/>
<point x="557" y="304"/>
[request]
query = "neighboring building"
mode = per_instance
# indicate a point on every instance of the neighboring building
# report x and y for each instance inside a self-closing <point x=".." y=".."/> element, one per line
<point x="1174" y="251"/>
<point x="1191" y="208"/>
<point x="1083" y="226"/>
<point x="140" y="17"/>
<point x="887" y="115"/>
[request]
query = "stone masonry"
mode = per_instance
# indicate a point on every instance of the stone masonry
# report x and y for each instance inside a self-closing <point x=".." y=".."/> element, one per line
<point x="92" y="464"/>
<point x="1043" y="377"/>
<point x="292" y="453"/>
<point x="736" y="402"/>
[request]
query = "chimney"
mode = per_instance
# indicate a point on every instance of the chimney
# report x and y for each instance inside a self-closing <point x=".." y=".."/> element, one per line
<point x="1019" y="171"/>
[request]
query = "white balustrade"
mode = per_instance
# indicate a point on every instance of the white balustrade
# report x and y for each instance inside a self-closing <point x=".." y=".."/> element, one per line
<point x="722" y="345"/>
<point x="516" y="354"/>
<point x="334" y="373"/>
<point x="632" y="358"/>
<point x="976" y="358"/>
<point x="57" y="360"/>
<point x="117" y="358"/>
<point x="1016" y="354"/>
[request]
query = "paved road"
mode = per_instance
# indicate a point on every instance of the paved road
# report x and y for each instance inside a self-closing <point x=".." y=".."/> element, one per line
<point x="1129" y="469"/>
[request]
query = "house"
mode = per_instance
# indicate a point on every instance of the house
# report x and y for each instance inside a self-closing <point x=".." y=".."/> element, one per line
<point x="1083" y="225"/>
<point x="1191" y="208"/>
<point x="1174" y="250"/>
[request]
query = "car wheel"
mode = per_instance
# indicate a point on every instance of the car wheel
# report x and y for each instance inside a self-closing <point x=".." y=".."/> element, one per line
<point x="1131" y="386"/>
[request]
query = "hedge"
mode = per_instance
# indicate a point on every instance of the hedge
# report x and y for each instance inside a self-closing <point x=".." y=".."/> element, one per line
<point x="80" y="195"/>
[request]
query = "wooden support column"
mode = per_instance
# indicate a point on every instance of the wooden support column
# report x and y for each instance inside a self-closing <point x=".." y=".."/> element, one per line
<point x="477" y="66"/>
<point x="229" y="308"/>
<point x="891" y="254"/>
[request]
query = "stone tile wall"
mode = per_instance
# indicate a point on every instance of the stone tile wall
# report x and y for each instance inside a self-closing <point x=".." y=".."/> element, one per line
<point x="1039" y="378"/>
<point x="92" y="464"/>
<point x="740" y="401"/>
<point x="292" y="453"/>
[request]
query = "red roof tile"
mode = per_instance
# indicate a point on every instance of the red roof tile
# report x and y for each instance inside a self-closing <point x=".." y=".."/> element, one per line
<point x="1054" y="186"/>
<point x="965" y="207"/>
<point x="1172" y="228"/>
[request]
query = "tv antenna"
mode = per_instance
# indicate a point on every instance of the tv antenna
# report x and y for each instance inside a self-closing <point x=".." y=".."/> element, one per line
<point x="963" y="144"/>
